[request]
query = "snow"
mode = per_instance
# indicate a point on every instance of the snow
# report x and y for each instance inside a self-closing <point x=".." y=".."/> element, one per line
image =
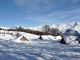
<point x="37" y="28"/>
<point x="71" y="40"/>
<point x="71" y="25"/>
<point x="62" y="27"/>
<point x="76" y="28"/>
<point x="12" y="48"/>
<point x="4" y="27"/>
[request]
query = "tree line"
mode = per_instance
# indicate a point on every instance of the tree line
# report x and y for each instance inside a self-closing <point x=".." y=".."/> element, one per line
<point x="46" y="30"/>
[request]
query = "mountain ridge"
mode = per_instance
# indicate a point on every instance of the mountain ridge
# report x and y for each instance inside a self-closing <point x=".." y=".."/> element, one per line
<point x="62" y="27"/>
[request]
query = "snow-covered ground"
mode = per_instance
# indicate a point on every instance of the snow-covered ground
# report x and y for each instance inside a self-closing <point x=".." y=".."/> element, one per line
<point x="70" y="40"/>
<point x="12" y="48"/>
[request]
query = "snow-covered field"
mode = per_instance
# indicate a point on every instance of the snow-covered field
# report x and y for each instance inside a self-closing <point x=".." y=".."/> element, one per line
<point x="12" y="48"/>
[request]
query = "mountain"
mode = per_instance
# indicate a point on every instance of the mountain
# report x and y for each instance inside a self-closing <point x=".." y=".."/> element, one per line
<point x="16" y="27"/>
<point x="4" y="27"/>
<point x="62" y="27"/>
<point x="37" y="28"/>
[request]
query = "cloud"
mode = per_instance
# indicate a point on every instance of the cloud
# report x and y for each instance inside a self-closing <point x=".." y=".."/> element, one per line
<point x="39" y="6"/>
<point x="36" y="5"/>
<point x="49" y="11"/>
<point x="57" y="16"/>
<point x="68" y="13"/>
<point x="42" y="19"/>
<point x="29" y="4"/>
<point x="20" y="3"/>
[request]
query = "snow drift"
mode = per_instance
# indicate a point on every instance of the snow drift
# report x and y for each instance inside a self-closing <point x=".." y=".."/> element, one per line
<point x="70" y="40"/>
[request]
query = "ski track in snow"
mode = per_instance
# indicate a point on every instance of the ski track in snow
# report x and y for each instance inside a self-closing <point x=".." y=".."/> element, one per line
<point x="36" y="49"/>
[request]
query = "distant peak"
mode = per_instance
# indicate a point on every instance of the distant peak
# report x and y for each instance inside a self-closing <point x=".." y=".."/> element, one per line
<point x="72" y="21"/>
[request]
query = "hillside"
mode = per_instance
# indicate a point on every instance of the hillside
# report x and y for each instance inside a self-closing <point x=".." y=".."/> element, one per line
<point x="62" y="27"/>
<point x="12" y="48"/>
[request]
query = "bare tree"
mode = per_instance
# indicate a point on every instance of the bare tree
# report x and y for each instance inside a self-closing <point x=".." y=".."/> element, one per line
<point x="55" y="31"/>
<point x="46" y="28"/>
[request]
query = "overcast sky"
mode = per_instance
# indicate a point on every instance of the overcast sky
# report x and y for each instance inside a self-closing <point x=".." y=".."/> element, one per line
<point x="29" y="13"/>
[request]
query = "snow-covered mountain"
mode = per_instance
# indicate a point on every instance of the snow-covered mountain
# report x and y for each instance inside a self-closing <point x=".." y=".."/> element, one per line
<point x="37" y="28"/>
<point x="17" y="27"/>
<point x="4" y="27"/>
<point x="72" y="26"/>
<point x="62" y="27"/>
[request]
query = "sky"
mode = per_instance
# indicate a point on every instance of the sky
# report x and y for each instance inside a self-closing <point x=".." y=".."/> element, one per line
<point x="30" y="13"/>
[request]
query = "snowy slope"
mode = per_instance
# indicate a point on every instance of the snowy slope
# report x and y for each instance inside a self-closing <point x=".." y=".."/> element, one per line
<point x="71" y="25"/>
<point x="62" y="27"/>
<point x="77" y="27"/>
<point x="71" y="40"/>
<point x="11" y="48"/>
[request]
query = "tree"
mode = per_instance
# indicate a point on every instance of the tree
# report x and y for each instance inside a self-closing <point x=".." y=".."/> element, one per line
<point x="0" y="28"/>
<point x="46" y="28"/>
<point x="55" y="31"/>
